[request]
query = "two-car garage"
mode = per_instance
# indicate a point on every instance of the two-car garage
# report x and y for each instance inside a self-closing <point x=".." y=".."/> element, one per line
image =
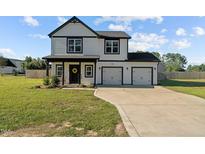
<point x="139" y="75"/>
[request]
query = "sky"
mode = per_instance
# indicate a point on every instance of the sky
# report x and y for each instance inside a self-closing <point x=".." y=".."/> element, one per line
<point x="28" y="36"/>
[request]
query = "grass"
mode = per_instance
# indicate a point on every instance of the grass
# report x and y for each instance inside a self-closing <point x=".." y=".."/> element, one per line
<point x="193" y="87"/>
<point x="26" y="111"/>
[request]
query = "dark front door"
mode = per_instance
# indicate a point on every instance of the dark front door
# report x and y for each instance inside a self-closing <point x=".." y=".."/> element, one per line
<point x="74" y="74"/>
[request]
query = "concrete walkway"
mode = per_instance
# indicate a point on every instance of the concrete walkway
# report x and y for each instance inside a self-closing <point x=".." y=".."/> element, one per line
<point x="157" y="111"/>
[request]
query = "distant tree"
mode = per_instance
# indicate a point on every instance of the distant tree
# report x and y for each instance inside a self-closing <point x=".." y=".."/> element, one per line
<point x="32" y="63"/>
<point x="196" y="68"/>
<point x="157" y="54"/>
<point x="174" y="62"/>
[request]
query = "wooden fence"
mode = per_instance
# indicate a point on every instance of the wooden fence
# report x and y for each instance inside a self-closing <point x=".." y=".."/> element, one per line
<point x="36" y="73"/>
<point x="181" y="75"/>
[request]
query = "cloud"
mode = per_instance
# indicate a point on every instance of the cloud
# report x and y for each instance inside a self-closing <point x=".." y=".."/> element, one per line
<point x="144" y="41"/>
<point x="38" y="36"/>
<point x="198" y="31"/>
<point x="181" y="44"/>
<point x="61" y="20"/>
<point x="7" y="52"/>
<point x="164" y="30"/>
<point x="30" y="21"/>
<point x="181" y="32"/>
<point x="119" y="27"/>
<point x="127" y="19"/>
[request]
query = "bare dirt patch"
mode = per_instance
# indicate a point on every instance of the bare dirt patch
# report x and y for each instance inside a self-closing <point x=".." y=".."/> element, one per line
<point x="120" y="129"/>
<point x="37" y="131"/>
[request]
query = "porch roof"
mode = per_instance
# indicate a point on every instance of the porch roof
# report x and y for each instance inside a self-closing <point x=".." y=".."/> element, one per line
<point x="71" y="58"/>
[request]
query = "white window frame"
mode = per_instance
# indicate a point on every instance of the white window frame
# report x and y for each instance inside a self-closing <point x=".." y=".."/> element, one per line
<point x="112" y="46"/>
<point x="74" y="45"/>
<point x="91" y="71"/>
<point x="57" y="70"/>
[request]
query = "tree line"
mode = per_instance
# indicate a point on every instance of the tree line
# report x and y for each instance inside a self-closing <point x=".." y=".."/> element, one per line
<point x="175" y="62"/>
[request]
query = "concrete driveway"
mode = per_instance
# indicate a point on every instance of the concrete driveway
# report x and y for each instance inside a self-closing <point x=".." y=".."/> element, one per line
<point x="157" y="111"/>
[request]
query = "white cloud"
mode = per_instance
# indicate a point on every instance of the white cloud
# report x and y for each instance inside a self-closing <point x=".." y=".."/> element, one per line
<point x="164" y="30"/>
<point x="61" y="20"/>
<point x="198" y="31"/>
<point x="128" y="19"/>
<point x="30" y="21"/>
<point x="181" y="44"/>
<point x="7" y="52"/>
<point x="144" y="41"/>
<point x="119" y="27"/>
<point x="181" y="32"/>
<point x="38" y="36"/>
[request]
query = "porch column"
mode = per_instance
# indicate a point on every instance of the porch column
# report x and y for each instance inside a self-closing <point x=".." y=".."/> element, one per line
<point x="95" y="74"/>
<point x="80" y="73"/>
<point x="47" y="68"/>
<point x="63" y="63"/>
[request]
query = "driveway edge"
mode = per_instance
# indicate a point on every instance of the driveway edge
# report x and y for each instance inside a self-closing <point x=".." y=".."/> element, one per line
<point x="128" y="125"/>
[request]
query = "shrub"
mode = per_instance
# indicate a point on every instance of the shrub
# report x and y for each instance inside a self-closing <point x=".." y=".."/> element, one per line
<point x="15" y="73"/>
<point x="46" y="81"/>
<point x="55" y="81"/>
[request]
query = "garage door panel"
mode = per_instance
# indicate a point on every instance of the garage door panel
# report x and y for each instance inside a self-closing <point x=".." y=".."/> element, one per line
<point x="112" y="76"/>
<point x="142" y="76"/>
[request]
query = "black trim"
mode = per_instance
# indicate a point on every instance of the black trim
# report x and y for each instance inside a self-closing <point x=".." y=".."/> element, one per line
<point x="91" y="72"/>
<point x="63" y="64"/>
<point x="71" y="60"/>
<point x="74" y="20"/>
<point x="142" y="67"/>
<point x="111" y="67"/>
<point x="125" y="61"/>
<point x="95" y="74"/>
<point x="127" y="48"/>
<point x="47" y="68"/>
<point x="74" y="36"/>
<point x="118" y="53"/>
<point x="56" y="69"/>
<point x="67" y="45"/>
<point x="80" y="73"/>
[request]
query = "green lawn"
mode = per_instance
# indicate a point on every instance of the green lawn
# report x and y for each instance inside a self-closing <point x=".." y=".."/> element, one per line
<point x="26" y="111"/>
<point x="194" y="87"/>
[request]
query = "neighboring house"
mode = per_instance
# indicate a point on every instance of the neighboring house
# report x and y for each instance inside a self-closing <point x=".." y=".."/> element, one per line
<point x="8" y="65"/>
<point x="80" y="55"/>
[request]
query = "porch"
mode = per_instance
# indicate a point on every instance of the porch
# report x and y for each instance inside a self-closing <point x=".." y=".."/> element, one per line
<point x="73" y="69"/>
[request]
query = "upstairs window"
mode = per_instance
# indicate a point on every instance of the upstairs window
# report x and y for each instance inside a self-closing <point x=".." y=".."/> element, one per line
<point x="59" y="70"/>
<point x="112" y="47"/>
<point x="75" y="46"/>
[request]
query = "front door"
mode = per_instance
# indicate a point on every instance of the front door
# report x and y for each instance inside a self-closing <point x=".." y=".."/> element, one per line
<point x="74" y="74"/>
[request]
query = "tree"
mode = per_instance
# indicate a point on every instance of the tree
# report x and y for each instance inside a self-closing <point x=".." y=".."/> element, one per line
<point x="196" y="68"/>
<point x="174" y="62"/>
<point x="32" y="63"/>
<point x="157" y="54"/>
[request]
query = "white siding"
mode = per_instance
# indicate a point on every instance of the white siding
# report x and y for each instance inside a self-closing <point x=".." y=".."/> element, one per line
<point x="74" y="29"/>
<point x="59" y="46"/>
<point x="91" y="46"/>
<point x="84" y="80"/>
<point x="127" y="69"/>
<point x="121" y="56"/>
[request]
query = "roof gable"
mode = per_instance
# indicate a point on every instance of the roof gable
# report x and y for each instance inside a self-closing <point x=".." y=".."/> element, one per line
<point x="72" y="20"/>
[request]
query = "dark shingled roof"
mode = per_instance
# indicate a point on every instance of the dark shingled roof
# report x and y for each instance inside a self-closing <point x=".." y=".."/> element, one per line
<point x="142" y="57"/>
<point x="6" y="62"/>
<point x="113" y="34"/>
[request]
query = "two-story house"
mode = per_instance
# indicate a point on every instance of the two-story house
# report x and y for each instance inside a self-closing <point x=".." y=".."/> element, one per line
<point x="80" y="55"/>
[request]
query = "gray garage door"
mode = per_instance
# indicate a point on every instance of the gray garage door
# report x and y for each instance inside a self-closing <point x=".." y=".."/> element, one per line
<point x="112" y="76"/>
<point x="142" y="76"/>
